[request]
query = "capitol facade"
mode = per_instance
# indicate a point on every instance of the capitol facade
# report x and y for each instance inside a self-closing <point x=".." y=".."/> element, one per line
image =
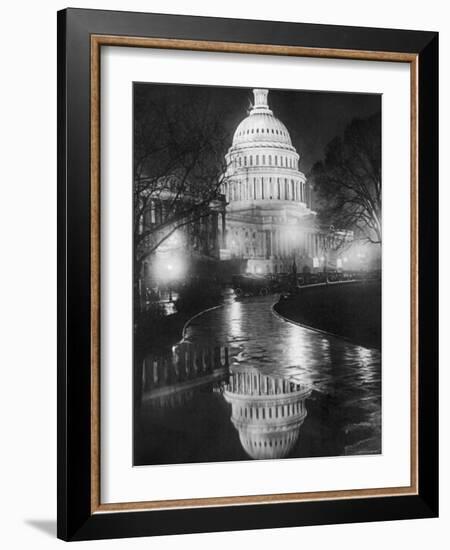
<point x="270" y="222"/>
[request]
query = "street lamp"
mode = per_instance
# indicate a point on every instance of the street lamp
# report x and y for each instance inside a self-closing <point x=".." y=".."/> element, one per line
<point x="169" y="261"/>
<point x="173" y="269"/>
<point x="169" y="280"/>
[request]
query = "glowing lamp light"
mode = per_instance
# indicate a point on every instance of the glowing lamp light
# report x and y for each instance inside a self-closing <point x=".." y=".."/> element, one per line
<point x="169" y="268"/>
<point x="315" y="262"/>
<point x="322" y="258"/>
<point x="258" y="270"/>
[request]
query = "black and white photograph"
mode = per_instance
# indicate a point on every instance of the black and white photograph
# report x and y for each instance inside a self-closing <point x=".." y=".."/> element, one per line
<point x="257" y="274"/>
<point x="222" y="309"/>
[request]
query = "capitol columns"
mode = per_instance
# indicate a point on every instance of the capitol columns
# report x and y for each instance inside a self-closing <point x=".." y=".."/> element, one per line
<point x="223" y="228"/>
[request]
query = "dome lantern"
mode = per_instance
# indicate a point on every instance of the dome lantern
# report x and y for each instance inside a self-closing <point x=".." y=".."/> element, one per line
<point x="260" y="103"/>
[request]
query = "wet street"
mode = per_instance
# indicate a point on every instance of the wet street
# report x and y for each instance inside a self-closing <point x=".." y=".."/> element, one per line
<point x="285" y="391"/>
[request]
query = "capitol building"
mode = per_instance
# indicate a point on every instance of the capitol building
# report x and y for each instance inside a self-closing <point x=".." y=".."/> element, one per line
<point x="270" y="222"/>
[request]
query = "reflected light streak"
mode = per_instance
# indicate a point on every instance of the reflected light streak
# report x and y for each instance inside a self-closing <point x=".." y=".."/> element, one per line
<point x="234" y="319"/>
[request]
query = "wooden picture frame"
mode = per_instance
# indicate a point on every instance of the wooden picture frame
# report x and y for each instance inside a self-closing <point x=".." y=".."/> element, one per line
<point x="81" y="35"/>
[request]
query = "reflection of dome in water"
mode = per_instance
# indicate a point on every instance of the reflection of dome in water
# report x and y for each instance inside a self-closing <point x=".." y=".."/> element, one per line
<point x="267" y="412"/>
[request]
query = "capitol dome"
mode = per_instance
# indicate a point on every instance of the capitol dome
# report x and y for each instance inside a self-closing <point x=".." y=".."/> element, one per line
<point x="261" y="127"/>
<point x="262" y="148"/>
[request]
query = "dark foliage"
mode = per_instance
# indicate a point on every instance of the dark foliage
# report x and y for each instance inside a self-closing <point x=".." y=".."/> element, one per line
<point x="348" y="181"/>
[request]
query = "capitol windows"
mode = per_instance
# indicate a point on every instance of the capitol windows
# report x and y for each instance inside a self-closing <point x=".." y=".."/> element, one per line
<point x="264" y="159"/>
<point x="257" y="160"/>
<point x="270" y="158"/>
<point x="279" y="188"/>
<point x="251" y="160"/>
<point x="245" y="161"/>
<point x="286" y="189"/>
<point x="276" y="160"/>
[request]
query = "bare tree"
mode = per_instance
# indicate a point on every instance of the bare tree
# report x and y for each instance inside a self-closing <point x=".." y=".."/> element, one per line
<point x="348" y="181"/>
<point x="179" y="151"/>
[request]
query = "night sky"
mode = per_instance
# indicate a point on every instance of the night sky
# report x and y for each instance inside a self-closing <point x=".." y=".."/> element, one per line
<point x="312" y="118"/>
